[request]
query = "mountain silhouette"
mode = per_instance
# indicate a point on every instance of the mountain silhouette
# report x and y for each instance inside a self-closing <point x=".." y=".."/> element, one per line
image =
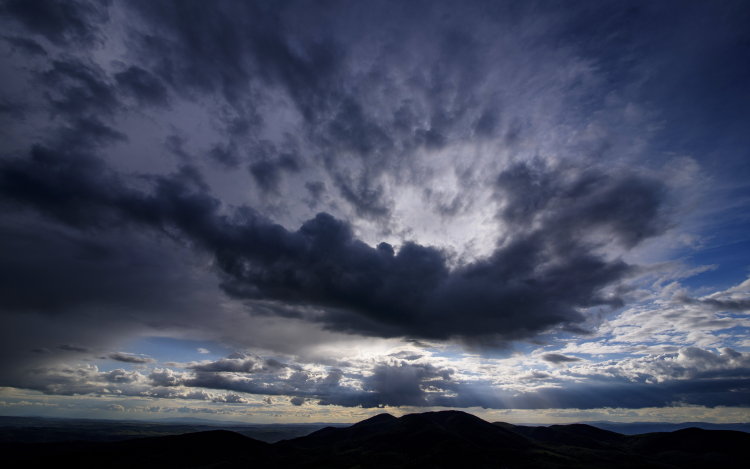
<point x="584" y="436"/>
<point x="427" y="440"/>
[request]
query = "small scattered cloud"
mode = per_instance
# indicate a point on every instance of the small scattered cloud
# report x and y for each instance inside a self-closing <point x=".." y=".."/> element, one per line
<point x="297" y="401"/>
<point x="73" y="348"/>
<point x="126" y="358"/>
<point x="558" y="358"/>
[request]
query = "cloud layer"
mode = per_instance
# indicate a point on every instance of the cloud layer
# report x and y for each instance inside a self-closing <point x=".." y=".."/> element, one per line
<point x="287" y="180"/>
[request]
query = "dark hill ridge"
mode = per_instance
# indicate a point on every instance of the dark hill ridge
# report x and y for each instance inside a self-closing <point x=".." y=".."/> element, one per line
<point x="364" y="428"/>
<point x="584" y="436"/>
<point x="637" y="428"/>
<point x="432" y="439"/>
<point x="689" y="448"/>
<point x="692" y="440"/>
<point x="414" y="427"/>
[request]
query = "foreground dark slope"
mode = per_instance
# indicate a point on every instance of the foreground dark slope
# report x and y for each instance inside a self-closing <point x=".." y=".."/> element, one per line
<point x="433" y="439"/>
<point x="687" y="448"/>
<point x="201" y="449"/>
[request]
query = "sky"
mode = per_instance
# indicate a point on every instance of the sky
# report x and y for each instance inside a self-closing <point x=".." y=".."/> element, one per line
<point x="296" y="211"/>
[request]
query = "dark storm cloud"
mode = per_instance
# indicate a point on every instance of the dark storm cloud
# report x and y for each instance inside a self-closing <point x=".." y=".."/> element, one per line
<point x="267" y="174"/>
<point x="271" y="162"/>
<point x="59" y="21"/>
<point x="540" y="277"/>
<point x="62" y="286"/>
<point x="626" y="206"/>
<point x="557" y="358"/>
<point x="316" y="189"/>
<point x="219" y="48"/>
<point x="11" y="108"/>
<point x="175" y="144"/>
<point x="143" y="86"/>
<point x="24" y="180"/>
<point x="89" y="132"/>
<point x="365" y="195"/>
<point x="225" y="156"/>
<point x="233" y="49"/>
<point x="25" y="45"/>
<point x="78" y="270"/>
<point x="535" y="281"/>
<point x="350" y="131"/>
<point x="125" y="358"/>
<point x="77" y="89"/>
<point x="486" y="124"/>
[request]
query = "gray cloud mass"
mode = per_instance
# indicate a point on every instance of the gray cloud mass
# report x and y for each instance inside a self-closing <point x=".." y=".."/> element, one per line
<point x="693" y="376"/>
<point x="533" y="282"/>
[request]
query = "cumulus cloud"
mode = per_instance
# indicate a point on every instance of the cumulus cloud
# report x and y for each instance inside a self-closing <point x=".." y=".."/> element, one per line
<point x="230" y="398"/>
<point x="239" y="362"/>
<point x="164" y="377"/>
<point x="691" y="376"/>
